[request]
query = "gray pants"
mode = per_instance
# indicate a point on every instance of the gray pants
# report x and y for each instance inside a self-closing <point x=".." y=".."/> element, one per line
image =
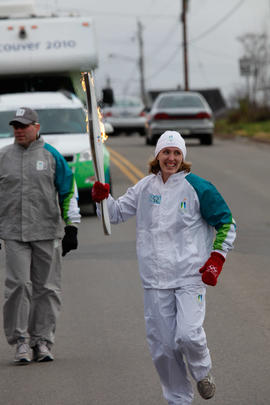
<point x="174" y="327"/>
<point x="32" y="290"/>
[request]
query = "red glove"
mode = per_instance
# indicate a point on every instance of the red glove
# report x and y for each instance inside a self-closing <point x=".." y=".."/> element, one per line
<point x="212" y="268"/>
<point x="100" y="191"/>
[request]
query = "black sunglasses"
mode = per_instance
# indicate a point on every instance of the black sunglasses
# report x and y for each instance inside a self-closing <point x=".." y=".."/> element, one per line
<point x="19" y="125"/>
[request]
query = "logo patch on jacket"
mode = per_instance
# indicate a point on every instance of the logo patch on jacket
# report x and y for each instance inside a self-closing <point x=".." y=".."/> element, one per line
<point x="183" y="204"/>
<point x="41" y="165"/>
<point x="155" y="199"/>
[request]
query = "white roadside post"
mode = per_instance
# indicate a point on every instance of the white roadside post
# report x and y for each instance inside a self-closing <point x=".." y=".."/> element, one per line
<point x="95" y="137"/>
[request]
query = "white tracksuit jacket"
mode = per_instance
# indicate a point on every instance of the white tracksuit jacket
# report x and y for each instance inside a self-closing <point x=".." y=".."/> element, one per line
<point x="175" y="225"/>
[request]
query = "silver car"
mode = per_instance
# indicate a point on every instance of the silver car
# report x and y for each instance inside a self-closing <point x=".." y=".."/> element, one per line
<point x="127" y="114"/>
<point x="184" y="111"/>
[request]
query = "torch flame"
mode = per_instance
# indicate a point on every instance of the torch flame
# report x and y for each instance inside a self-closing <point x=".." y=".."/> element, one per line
<point x="83" y="82"/>
<point x="86" y="120"/>
<point x="104" y="137"/>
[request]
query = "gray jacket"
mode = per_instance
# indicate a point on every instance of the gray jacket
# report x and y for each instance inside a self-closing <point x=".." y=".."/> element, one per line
<point x="36" y="188"/>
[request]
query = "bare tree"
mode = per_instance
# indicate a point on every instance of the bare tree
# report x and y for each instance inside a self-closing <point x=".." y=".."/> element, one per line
<point x="256" y="54"/>
<point x="235" y="97"/>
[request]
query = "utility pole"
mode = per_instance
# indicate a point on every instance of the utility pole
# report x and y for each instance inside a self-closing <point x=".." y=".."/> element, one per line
<point x="185" y="50"/>
<point x="141" y="62"/>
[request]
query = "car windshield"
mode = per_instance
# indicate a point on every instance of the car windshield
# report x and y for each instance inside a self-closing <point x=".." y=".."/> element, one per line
<point x="180" y="101"/>
<point x="52" y="121"/>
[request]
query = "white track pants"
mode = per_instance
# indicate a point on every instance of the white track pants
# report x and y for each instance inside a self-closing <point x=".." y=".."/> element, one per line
<point x="32" y="290"/>
<point x="174" y="327"/>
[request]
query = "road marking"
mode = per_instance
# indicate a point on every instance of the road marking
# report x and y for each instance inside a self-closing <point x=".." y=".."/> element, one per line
<point x="139" y="174"/>
<point x="124" y="170"/>
<point x="134" y="174"/>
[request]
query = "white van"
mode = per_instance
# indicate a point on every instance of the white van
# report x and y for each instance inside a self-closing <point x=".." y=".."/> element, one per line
<point x="46" y="54"/>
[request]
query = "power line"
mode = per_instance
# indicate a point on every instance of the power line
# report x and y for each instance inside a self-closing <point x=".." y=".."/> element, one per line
<point x="176" y="50"/>
<point x="165" y="8"/>
<point x="201" y="69"/>
<point x="215" y="54"/>
<point x="94" y="13"/>
<point x="165" y="39"/>
<point x="217" y="24"/>
<point x="165" y="65"/>
<point x="127" y="15"/>
<point x="129" y="81"/>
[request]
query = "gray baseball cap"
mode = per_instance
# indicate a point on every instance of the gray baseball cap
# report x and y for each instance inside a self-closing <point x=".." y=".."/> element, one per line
<point x="25" y="115"/>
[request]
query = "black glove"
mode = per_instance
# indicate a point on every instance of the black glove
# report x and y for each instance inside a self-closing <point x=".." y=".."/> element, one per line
<point x="70" y="240"/>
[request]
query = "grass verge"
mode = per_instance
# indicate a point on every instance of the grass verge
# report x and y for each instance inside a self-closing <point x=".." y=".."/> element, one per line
<point x="259" y="131"/>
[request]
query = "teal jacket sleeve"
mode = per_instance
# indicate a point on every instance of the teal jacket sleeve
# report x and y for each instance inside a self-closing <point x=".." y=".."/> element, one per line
<point x="65" y="186"/>
<point x="215" y="211"/>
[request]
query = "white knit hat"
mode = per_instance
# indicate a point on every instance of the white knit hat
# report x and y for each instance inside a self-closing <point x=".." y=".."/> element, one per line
<point x="171" y="139"/>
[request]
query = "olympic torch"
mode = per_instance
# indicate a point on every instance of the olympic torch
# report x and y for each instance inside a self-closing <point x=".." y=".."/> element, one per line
<point x="96" y="135"/>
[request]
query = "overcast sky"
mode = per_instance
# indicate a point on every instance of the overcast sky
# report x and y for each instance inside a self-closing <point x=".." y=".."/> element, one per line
<point x="213" y="29"/>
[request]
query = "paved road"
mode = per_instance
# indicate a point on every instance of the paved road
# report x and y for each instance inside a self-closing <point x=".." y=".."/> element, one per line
<point x="101" y="353"/>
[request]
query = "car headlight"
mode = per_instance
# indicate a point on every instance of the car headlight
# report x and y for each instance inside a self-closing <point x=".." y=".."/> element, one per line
<point x="85" y="156"/>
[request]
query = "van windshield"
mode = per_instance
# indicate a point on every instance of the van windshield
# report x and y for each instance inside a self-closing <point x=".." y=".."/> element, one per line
<point x="52" y="121"/>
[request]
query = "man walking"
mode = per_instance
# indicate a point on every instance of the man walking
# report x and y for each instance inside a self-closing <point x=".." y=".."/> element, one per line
<point x="37" y="194"/>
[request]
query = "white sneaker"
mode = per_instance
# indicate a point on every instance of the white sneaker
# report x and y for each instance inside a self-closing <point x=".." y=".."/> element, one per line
<point x="207" y="387"/>
<point x="42" y="352"/>
<point x="23" y="354"/>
